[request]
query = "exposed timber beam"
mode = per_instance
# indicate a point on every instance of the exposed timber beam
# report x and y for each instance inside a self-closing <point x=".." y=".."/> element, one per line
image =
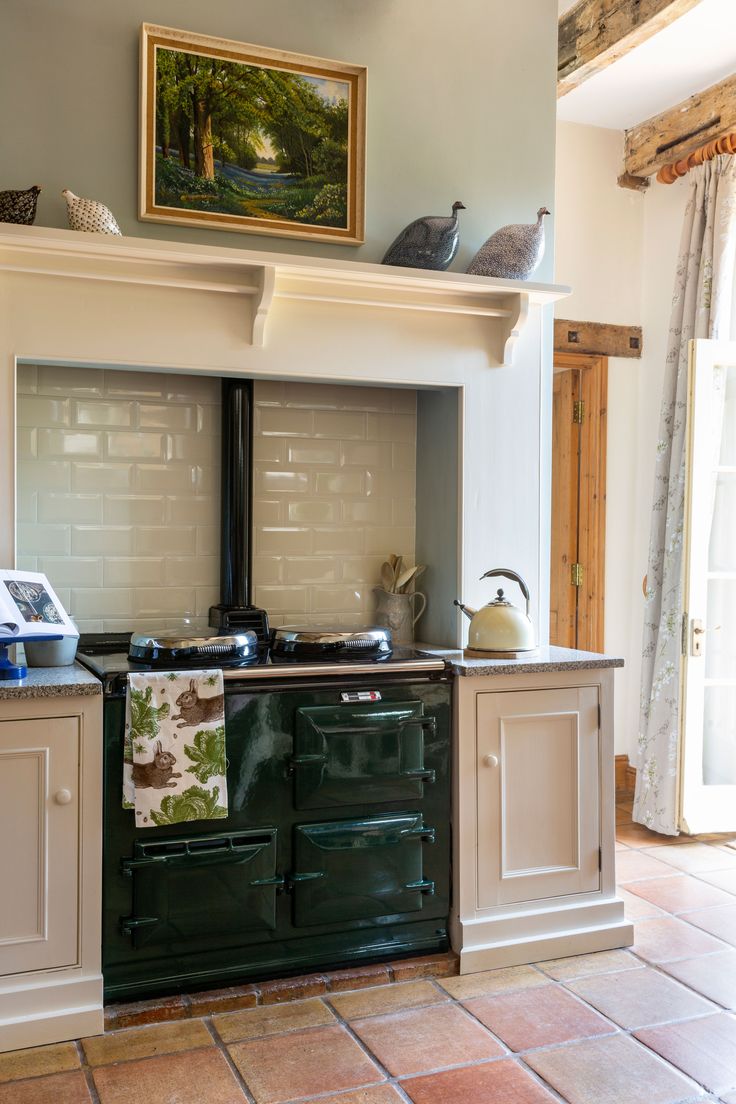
<point x="678" y="131"/>
<point x="595" y="33"/>
<point x="597" y="338"/>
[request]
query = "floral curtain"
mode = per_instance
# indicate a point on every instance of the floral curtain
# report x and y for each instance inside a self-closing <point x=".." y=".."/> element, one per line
<point x="701" y="308"/>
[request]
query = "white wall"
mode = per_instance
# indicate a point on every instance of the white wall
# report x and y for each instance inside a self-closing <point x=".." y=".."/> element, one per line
<point x="618" y="250"/>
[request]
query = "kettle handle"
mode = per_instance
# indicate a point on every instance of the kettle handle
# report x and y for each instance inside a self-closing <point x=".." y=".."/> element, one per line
<point x="507" y="573"/>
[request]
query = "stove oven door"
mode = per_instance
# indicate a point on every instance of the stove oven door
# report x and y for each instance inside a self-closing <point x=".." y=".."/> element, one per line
<point x="359" y="869"/>
<point x="201" y="886"/>
<point x="356" y="754"/>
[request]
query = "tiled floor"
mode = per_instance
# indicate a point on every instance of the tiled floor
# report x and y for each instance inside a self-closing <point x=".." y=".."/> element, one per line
<point x="650" y="1026"/>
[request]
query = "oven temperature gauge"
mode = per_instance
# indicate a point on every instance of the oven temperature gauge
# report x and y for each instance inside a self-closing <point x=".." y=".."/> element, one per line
<point x="348" y="696"/>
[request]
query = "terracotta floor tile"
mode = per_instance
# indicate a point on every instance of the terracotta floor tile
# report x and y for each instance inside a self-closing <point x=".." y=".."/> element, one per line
<point x="631" y="866"/>
<point x="140" y="1042"/>
<point x="636" y="998"/>
<point x="538" y="1017"/>
<point x="35" y="1061"/>
<point x="695" y="857"/>
<point x="636" y="835"/>
<point x="720" y="922"/>
<point x="636" y="908"/>
<point x="723" y="879"/>
<point x="272" y="1020"/>
<point x="373" y="1094"/>
<point x="493" y="981"/>
<point x="60" y="1088"/>
<point x="600" y="962"/>
<point x="425" y="1039"/>
<point x="503" y="1082"/>
<point x="290" y="989"/>
<point x="191" y="1078"/>
<point x="387" y="998"/>
<point x="664" y="940"/>
<point x="704" y="1049"/>
<point x="712" y="975"/>
<point x="614" y="1070"/>
<point x="680" y="893"/>
<point x="305" y="1063"/>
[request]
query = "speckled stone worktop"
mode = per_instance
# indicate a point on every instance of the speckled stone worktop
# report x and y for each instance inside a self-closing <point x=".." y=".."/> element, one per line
<point x="52" y="682"/>
<point x="543" y="659"/>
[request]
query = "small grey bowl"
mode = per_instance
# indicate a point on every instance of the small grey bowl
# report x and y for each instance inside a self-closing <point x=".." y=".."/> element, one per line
<point x="51" y="653"/>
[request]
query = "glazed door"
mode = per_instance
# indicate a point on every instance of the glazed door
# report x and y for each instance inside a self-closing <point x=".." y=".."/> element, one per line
<point x="359" y="869"/>
<point x="352" y="754"/>
<point x="708" y="724"/>
<point x="192" y="888"/>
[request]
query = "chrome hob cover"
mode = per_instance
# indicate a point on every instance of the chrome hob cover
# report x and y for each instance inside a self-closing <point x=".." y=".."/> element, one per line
<point x="294" y="641"/>
<point x="162" y="648"/>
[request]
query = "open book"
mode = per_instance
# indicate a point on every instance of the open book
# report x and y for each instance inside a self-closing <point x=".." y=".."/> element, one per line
<point x="29" y="607"/>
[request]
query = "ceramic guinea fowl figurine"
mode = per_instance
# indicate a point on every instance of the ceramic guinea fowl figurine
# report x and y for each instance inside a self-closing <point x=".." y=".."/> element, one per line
<point x="513" y="252"/>
<point x="429" y="242"/>
<point x="19" y="205"/>
<point x="89" y="215"/>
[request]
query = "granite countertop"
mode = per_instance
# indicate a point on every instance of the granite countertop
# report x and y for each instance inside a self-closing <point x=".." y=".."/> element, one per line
<point x="52" y="682"/>
<point x="543" y="659"/>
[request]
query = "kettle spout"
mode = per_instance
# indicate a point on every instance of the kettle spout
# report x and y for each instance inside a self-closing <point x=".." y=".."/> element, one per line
<point x="467" y="610"/>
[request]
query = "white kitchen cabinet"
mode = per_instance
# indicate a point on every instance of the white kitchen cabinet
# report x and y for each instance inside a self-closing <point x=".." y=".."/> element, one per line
<point x="534" y="813"/>
<point x="50" y="859"/>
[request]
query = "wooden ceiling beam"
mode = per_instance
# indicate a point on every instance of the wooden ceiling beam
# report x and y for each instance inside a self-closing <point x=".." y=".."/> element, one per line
<point x="675" y="133"/>
<point x="595" y="33"/>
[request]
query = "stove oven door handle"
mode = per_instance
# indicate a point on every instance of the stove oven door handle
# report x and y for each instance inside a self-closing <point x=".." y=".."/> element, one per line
<point x="424" y="885"/>
<point x="427" y="835"/>
<point x="129" y="925"/>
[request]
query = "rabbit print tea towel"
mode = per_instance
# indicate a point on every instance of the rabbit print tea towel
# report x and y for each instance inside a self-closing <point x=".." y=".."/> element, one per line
<point x="174" y="758"/>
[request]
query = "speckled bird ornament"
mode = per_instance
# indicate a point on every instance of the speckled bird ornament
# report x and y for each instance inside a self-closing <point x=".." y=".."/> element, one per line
<point x="429" y="242"/>
<point x="513" y="252"/>
<point x="19" y="205"/>
<point x="89" y="215"/>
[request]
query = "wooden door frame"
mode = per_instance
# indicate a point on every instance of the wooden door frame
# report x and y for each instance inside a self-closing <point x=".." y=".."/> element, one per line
<point x="592" y="509"/>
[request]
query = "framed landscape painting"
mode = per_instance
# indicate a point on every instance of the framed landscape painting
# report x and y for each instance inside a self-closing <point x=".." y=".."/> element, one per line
<point x="248" y="138"/>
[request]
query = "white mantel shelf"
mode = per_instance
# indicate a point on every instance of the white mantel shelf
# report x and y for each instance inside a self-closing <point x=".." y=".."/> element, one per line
<point x="262" y="277"/>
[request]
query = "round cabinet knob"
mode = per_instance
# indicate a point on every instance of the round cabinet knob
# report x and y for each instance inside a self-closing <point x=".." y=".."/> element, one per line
<point x="63" y="797"/>
<point x="490" y="760"/>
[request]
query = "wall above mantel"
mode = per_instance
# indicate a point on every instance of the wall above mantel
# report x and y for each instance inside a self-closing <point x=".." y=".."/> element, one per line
<point x="262" y="277"/>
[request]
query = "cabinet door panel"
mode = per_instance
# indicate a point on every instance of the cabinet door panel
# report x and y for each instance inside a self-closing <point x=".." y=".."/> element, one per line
<point x="538" y="794"/>
<point x="39" y="814"/>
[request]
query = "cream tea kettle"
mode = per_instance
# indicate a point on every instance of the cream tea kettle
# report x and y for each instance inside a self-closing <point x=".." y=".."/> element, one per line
<point x="500" y="629"/>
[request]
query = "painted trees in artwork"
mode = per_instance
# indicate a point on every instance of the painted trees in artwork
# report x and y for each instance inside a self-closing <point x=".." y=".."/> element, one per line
<point x="256" y="141"/>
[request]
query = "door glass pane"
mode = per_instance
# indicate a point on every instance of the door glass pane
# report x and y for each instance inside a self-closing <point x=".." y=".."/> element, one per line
<point x="720" y="638"/>
<point x="728" y="440"/>
<point x="719" y="736"/>
<point x="722" y="548"/>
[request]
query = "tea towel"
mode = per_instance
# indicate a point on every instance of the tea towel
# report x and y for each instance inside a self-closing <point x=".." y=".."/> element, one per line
<point x="174" y="765"/>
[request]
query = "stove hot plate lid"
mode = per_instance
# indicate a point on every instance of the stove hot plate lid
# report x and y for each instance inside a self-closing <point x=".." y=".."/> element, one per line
<point x="295" y="640"/>
<point x="178" y="647"/>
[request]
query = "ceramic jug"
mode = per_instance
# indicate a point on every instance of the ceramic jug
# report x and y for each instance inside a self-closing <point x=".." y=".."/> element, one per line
<point x="397" y="613"/>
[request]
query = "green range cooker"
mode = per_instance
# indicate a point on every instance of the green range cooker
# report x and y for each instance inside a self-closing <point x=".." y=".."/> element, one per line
<point x="336" y="849"/>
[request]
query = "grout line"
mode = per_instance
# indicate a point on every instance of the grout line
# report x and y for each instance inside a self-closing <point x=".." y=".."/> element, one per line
<point x="222" y="1048"/>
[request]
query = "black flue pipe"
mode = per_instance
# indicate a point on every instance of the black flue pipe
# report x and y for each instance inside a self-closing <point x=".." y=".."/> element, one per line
<point x="236" y="557"/>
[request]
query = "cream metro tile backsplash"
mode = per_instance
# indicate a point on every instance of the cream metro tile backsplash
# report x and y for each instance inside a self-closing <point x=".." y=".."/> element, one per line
<point x="335" y="486"/>
<point x="118" y="495"/>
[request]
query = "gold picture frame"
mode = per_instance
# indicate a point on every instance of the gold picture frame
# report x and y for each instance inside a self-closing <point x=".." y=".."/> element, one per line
<point x="241" y="137"/>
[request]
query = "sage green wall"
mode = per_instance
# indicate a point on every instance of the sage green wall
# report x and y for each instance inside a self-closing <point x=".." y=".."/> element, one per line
<point x="461" y="104"/>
